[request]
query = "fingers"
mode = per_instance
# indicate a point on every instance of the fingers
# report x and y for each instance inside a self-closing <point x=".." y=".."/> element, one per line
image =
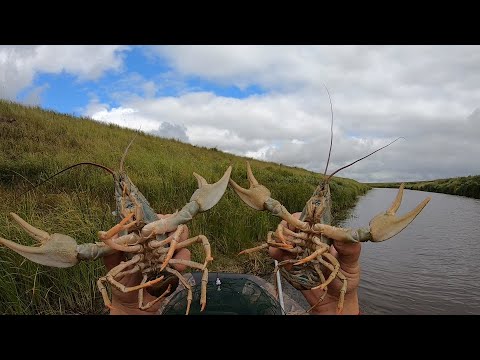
<point x="279" y="254"/>
<point x="184" y="235"/>
<point x="348" y="254"/>
<point x="182" y="254"/>
<point x="113" y="260"/>
<point x="288" y="226"/>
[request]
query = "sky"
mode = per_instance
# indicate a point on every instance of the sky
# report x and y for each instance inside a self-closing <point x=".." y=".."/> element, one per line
<point x="270" y="102"/>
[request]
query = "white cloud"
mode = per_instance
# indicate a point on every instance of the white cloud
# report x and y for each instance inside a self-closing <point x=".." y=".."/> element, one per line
<point x="427" y="94"/>
<point x="375" y="100"/>
<point x="126" y="117"/>
<point x="20" y="64"/>
<point x="94" y="107"/>
<point x="172" y="131"/>
<point x="261" y="154"/>
<point x="107" y="115"/>
<point x="233" y="125"/>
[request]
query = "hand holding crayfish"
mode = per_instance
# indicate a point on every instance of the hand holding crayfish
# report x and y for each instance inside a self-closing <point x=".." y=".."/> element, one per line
<point x="348" y="255"/>
<point x="127" y="303"/>
<point x="315" y="248"/>
<point x="151" y="246"/>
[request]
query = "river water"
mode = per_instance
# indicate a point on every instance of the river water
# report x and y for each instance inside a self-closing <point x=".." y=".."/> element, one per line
<point x="431" y="267"/>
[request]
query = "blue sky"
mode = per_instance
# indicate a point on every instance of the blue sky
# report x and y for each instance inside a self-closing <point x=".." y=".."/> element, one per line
<point x="269" y="102"/>
<point x="65" y="93"/>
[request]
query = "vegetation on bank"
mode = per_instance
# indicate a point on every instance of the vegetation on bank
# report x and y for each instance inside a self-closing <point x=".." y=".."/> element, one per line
<point x="36" y="143"/>
<point x="468" y="186"/>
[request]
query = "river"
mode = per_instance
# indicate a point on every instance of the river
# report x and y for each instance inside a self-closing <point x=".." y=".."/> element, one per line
<point x="431" y="267"/>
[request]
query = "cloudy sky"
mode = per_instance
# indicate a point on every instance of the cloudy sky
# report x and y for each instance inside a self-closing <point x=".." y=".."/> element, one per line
<point x="270" y="103"/>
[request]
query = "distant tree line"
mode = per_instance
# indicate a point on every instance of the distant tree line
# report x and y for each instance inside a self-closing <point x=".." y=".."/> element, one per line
<point x="463" y="186"/>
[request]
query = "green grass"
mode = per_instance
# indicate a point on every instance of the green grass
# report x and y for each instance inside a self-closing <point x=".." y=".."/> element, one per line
<point x="79" y="203"/>
<point x="468" y="186"/>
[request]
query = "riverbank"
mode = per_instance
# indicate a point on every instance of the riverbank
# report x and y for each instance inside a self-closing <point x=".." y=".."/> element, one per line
<point x="468" y="186"/>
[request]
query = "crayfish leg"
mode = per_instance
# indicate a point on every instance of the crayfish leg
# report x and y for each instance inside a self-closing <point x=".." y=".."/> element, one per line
<point x="187" y="286"/>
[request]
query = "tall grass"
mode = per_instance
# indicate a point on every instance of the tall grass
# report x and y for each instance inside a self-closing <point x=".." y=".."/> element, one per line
<point x="79" y="203"/>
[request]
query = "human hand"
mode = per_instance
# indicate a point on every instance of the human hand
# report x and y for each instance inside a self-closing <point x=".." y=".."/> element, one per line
<point x="348" y="255"/>
<point x="127" y="303"/>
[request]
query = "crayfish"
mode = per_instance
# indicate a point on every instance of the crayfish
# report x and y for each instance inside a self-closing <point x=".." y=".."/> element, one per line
<point x="140" y="234"/>
<point x="310" y="243"/>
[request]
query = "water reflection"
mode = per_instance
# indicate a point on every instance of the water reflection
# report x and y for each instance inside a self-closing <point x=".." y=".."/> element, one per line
<point x="431" y="267"/>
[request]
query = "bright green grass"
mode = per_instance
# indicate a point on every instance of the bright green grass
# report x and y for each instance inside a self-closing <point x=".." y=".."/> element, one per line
<point x="80" y="202"/>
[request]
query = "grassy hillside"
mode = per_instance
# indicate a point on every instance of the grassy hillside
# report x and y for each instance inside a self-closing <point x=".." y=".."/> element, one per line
<point x="463" y="186"/>
<point x="35" y="144"/>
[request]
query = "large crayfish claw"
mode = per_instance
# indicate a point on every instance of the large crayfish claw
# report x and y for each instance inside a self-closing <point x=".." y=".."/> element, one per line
<point x="386" y="225"/>
<point x="56" y="250"/>
<point x="208" y="195"/>
<point x="256" y="195"/>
